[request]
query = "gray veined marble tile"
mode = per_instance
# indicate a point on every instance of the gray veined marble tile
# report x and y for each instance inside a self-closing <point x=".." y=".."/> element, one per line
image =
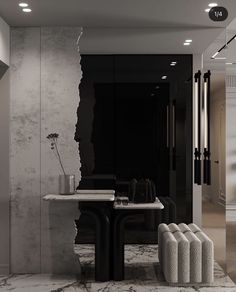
<point x="137" y="253"/>
<point x="142" y="273"/>
<point x="41" y="283"/>
<point x="217" y="289"/>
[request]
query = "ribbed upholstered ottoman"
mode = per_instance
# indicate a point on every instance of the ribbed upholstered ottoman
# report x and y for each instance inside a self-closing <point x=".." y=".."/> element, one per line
<point x="186" y="254"/>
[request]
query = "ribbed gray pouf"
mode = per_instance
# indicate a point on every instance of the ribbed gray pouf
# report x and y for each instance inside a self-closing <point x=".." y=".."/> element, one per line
<point x="186" y="254"/>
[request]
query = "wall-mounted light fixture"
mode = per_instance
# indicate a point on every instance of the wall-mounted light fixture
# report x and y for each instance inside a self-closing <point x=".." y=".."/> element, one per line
<point x="197" y="128"/>
<point x="206" y="114"/>
<point x="202" y="117"/>
<point x="174" y="135"/>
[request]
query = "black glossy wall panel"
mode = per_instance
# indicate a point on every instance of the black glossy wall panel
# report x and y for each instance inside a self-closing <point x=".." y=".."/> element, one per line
<point x="127" y="126"/>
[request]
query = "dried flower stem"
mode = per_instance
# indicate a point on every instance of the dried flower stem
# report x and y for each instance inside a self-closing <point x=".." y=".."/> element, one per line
<point x="59" y="158"/>
<point x="53" y="139"/>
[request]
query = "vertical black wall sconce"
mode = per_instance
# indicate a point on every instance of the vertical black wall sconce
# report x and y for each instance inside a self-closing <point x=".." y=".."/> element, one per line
<point x="174" y="135"/>
<point x="167" y="127"/>
<point x="206" y="108"/>
<point x="197" y="128"/>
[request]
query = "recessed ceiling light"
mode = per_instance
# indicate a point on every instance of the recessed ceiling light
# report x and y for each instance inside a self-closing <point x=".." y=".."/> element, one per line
<point x="220" y="58"/>
<point x="174" y="62"/>
<point x="208" y="9"/>
<point x="22" y="4"/>
<point x="157" y="87"/>
<point x="229" y="63"/>
<point x="26" y="10"/>
<point x="186" y="44"/>
<point x="212" y="4"/>
<point x="188" y="41"/>
<point x="163" y="77"/>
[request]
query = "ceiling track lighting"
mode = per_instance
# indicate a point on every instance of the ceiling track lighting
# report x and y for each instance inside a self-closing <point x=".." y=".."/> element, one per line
<point x="213" y="57"/>
<point x="222" y="48"/>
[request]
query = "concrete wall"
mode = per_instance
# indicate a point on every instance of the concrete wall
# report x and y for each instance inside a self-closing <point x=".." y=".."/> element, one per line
<point x="4" y="174"/>
<point x="4" y="146"/>
<point x="45" y="74"/>
<point x="4" y="42"/>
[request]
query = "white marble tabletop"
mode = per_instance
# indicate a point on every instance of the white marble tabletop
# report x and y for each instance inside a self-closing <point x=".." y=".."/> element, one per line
<point x="104" y="192"/>
<point x="83" y="197"/>
<point x="156" y="205"/>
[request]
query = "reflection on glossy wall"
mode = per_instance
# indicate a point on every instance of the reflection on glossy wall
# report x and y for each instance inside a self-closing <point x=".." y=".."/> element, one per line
<point x="133" y="122"/>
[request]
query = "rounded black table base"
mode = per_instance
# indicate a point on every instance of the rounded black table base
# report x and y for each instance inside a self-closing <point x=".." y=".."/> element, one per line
<point x="102" y="241"/>
<point x="118" y="241"/>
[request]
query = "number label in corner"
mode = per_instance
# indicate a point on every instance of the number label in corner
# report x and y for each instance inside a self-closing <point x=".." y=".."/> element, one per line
<point x="218" y="13"/>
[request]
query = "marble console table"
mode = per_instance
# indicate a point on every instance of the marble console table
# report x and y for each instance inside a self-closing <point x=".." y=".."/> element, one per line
<point x="110" y="221"/>
<point x="141" y="206"/>
<point x="88" y="197"/>
<point x="122" y="214"/>
<point x="62" y="213"/>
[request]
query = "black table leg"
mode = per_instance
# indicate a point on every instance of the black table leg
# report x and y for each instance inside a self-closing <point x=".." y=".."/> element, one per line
<point x="118" y="243"/>
<point x="102" y="242"/>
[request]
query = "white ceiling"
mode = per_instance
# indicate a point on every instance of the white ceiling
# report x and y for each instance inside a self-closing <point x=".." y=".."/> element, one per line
<point x="114" y="13"/>
<point x="127" y="26"/>
<point x="146" y="41"/>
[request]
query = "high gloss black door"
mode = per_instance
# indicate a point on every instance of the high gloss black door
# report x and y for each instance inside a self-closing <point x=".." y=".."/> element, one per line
<point x="143" y="99"/>
<point x="135" y="121"/>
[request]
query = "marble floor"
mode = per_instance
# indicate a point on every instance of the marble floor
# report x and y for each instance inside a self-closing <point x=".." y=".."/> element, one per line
<point x="142" y="274"/>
